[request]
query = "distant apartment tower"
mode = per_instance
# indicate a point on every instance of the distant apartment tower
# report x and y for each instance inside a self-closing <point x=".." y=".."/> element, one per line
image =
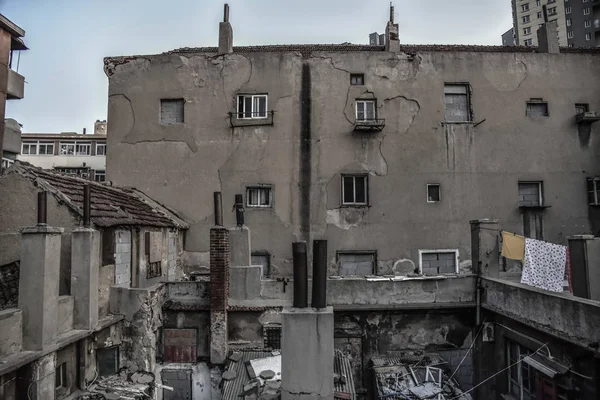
<point x="68" y="152"/>
<point x="508" y="37"/>
<point x="375" y="39"/>
<point x="577" y="21"/>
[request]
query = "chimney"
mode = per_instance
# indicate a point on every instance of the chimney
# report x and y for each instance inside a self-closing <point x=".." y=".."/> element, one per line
<point x="100" y="127"/>
<point x="225" y="33"/>
<point x="392" y="43"/>
<point x="548" y="36"/>
<point x="84" y="131"/>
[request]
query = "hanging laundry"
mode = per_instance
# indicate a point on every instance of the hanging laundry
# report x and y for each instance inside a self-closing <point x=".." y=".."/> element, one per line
<point x="513" y="246"/>
<point x="544" y="266"/>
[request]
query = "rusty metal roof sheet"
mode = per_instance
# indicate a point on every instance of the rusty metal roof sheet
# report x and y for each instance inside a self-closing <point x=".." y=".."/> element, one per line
<point x="343" y="367"/>
<point x="110" y="206"/>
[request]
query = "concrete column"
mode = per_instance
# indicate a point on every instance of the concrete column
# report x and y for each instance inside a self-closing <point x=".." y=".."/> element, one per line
<point x="307" y="354"/>
<point x="85" y="270"/>
<point x="485" y="251"/>
<point x="38" y="285"/>
<point x="548" y="38"/>
<point x="240" y="246"/>
<point x="219" y="293"/>
<point x="584" y="252"/>
<point x="42" y="378"/>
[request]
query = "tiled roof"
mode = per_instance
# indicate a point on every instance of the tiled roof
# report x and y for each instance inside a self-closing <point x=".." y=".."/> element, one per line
<point x="406" y="48"/>
<point x="110" y="206"/>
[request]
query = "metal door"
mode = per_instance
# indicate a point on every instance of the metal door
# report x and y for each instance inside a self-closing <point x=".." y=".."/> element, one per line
<point x="181" y="382"/>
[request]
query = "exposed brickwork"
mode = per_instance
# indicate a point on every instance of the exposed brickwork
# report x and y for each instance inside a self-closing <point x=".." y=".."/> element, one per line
<point x="219" y="268"/>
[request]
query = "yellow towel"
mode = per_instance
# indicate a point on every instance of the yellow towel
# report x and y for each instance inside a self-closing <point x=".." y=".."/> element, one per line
<point x="513" y="246"/>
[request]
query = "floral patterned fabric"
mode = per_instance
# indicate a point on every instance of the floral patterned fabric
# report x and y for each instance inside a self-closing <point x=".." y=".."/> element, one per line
<point x="544" y="265"/>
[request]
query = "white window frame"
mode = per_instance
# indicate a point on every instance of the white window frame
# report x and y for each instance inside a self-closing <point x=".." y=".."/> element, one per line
<point x="66" y="145"/>
<point x="586" y="11"/>
<point x="47" y="145"/>
<point x="254" y="113"/>
<point x="525" y="7"/>
<point x="430" y="251"/>
<point x="568" y="10"/>
<point x="366" y="194"/>
<point x="30" y="144"/>
<point x="527" y="31"/>
<point x="587" y="23"/>
<point x="526" y="19"/>
<point x="83" y="145"/>
<point x="102" y="146"/>
<point x="538" y="3"/>
<point x="269" y="191"/>
<point x="588" y="36"/>
<point x="569" y="22"/>
<point x="363" y="104"/>
<point x="570" y="34"/>
<point x="540" y="14"/>
<point x="7" y="162"/>
<point x="439" y="192"/>
<point x="98" y="173"/>
<point x="528" y="42"/>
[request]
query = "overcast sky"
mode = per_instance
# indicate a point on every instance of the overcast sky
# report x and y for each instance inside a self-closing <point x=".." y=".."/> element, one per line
<point x="66" y="89"/>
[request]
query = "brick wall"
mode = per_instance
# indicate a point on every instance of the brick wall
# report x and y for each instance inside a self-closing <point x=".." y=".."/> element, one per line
<point x="464" y="374"/>
<point x="219" y="268"/>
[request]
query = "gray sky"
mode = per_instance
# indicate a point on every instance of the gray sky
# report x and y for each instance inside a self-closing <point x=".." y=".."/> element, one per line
<point x="66" y="88"/>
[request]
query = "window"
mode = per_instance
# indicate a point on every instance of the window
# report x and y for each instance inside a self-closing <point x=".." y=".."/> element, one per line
<point x="570" y="34"/>
<point x="567" y="10"/>
<point x="581" y="108"/>
<point x="100" y="176"/>
<point x="588" y="36"/>
<point x="530" y="194"/>
<point x="83" y="149"/>
<point x="527" y="31"/>
<point x="525" y="7"/>
<point x="7" y="162"/>
<point x="586" y="11"/>
<point x="552" y="11"/>
<point x="100" y="149"/>
<point x="569" y="22"/>
<point x="538" y="3"/>
<point x="457" y="102"/>
<point x="357" y="79"/>
<point x="588" y="23"/>
<point x="354" y="190"/>
<point x="259" y="196"/>
<point x="46" y="148"/>
<point x="537" y="108"/>
<point x="272" y="336"/>
<point x="356" y="263"/>
<point x="528" y="42"/>
<point x="521" y="378"/>
<point x="29" y="148"/>
<point x="435" y="262"/>
<point x="365" y="110"/>
<point x="526" y="19"/>
<point x="60" y="376"/>
<point x="67" y="148"/>
<point x="154" y="270"/>
<point x="107" y="361"/>
<point x="539" y="14"/>
<point x="262" y="258"/>
<point x="171" y="111"/>
<point x="252" y="106"/>
<point x="594" y="191"/>
<point x="433" y="192"/>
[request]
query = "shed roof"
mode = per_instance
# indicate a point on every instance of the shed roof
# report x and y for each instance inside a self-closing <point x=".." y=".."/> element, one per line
<point x="110" y="205"/>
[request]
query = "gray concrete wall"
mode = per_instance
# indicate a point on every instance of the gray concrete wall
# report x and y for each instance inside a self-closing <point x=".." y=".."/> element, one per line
<point x="106" y="280"/>
<point x="65" y="314"/>
<point x="68" y="356"/>
<point x="201" y="378"/>
<point x="123" y="258"/>
<point x="478" y="166"/>
<point x="18" y="205"/>
<point x="198" y="320"/>
<point x="11" y="336"/>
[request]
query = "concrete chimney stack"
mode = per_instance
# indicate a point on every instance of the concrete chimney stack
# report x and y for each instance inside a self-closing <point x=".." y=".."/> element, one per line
<point x="548" y="36"/>
<point x="392" y="42"/>
<point x="225" y="33"/>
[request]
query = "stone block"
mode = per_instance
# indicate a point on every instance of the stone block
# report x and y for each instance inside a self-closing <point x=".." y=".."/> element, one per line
<point x="245" y="282"/>
<point x="11" y="321"/>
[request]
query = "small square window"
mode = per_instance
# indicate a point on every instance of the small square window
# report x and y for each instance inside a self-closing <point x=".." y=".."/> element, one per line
<point x="100" y="149"/>
<point x="527" y="31"/>
<point x="259" y="196"/>
<point x="100" y="176"/>
<point x="60" y="376"/>
<point x="526" y="19"/>
<point x="262" y="258"/>
<point x="457" y="99"/>
<point x="539" y="14"/>
<point x="107" y="361"/>
<point x="537" y="108"/>
<point x="588" y="36"/>
<point x="272" y="336"/>
<point x="252" y="106"/>
<point x="530" y="194"/>
<point x="569" y="22"/>
<point x="354" y="190"/>
<point x="433" y="192"/>
<point x="528" y="42"/>
<point x="586" y="11"/>
<point x="581" y="108"/>
<point x="435" y="262"/>
<point x="588" y="23"/>
<point x="357" y="263"/>
<point x="366" y="110"/>
<point x="593" y="187"/>
<point x="171" y="111"/>
<point x="567" y="10"/>
<point x="357" y="79"/>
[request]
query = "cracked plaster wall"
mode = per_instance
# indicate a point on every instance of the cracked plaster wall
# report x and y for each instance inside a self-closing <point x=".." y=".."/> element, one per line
<point x="477" y="165"/>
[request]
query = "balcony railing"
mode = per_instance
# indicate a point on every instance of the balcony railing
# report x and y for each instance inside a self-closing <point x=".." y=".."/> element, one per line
<point x="369" y="125"/>
<point x="257" y="118"/>
<point x="15" y="88"/>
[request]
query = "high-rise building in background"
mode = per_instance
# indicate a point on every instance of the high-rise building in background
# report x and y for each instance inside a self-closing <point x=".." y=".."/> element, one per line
<point x="576" y="20"/>
<point x="508" y="38"/>
<point x="375" y="39"/>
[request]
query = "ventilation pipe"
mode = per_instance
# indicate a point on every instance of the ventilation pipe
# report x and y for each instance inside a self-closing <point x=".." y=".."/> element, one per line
<point x="41" y="209"/>
<point x="319" y="286"/>
<point x="300" y="275"/>
<point x="218" y="209"/>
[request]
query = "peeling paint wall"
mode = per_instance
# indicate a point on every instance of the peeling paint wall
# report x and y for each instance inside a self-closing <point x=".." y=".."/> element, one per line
<point x="477" y="165"/>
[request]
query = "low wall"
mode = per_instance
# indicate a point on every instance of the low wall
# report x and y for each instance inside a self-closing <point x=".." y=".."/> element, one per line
<point x="11" y="338"/>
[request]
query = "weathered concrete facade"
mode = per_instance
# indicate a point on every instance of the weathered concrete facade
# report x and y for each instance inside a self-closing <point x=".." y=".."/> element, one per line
<point x="477" y="164"/>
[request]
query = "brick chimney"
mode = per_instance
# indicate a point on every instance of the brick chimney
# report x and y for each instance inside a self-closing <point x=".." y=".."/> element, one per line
<point x="392" y="42"/>
<point x="548" y="36"/>
<point x="225" y="33"/>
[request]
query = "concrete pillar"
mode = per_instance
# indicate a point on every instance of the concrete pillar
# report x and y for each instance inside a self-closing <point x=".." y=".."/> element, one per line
<point x="219" y="293"/>
<point x="240" y="246"/>
<point x="85" y="270"/>
<point x="548" y="38"/>
<point x="485" y="251"/>
<point x="38" y="285"/>
<point x="42" y="378"/>
<point x="307" y="354"/>
<point x="584" y="251"/>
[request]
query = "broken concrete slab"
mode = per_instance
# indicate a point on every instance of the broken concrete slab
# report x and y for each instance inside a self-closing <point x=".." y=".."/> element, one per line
<point x="267" y="374"/>
<point x="229" y="375"/>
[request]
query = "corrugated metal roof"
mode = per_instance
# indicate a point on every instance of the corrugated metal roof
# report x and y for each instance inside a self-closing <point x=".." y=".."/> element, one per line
<point x="110" y="206"/>
<point x="232" y="389"/>
<point x="343" y="367"/>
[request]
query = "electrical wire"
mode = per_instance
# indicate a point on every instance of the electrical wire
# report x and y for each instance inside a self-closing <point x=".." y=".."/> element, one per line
<point x="465" y="356"/>
<point x="497" y="373"/>
<point x="527" y="337"/>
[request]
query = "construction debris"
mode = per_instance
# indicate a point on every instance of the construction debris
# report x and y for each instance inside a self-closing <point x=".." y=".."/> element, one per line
<point x="122" y="386"/>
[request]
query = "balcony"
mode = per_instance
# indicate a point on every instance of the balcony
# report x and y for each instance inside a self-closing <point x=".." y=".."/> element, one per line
<point x="369" y="125"/>
<point x="588" y="117"/>
<point x="259" y="118"/>
<point x="15" y="87"/>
